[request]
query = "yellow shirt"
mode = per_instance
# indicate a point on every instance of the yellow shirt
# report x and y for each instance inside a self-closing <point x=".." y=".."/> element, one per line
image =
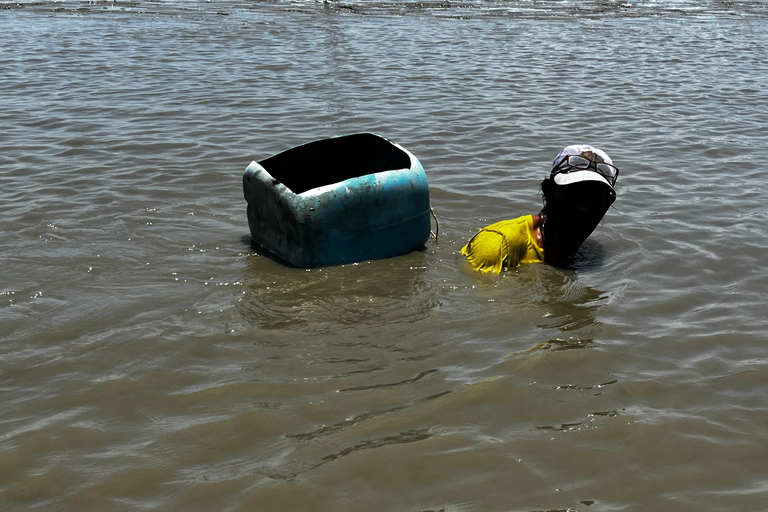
<point x="504" y="245"/>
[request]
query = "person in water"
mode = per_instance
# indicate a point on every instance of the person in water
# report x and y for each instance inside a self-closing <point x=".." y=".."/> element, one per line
<point x="577" y="194"/>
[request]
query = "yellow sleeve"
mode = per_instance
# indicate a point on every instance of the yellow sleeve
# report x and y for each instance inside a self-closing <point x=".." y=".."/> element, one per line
<point x="499" y="246"/>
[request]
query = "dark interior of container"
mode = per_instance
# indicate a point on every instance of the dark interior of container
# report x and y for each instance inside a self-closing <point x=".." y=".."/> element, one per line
<point x="333" y="160"/>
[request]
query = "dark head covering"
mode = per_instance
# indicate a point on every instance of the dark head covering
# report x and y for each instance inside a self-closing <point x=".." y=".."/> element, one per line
<point x="574" y="204"/>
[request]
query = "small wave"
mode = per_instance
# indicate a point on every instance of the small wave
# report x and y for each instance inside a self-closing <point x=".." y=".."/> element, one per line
<point x="529" y="9"/>
<point x="372" y="293"/>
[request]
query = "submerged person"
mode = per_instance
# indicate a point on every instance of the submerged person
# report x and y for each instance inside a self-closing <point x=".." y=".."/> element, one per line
<point x="577" y="194"/>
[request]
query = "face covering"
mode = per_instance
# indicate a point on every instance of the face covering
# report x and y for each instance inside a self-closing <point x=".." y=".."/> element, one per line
<point x="573" y="212"/>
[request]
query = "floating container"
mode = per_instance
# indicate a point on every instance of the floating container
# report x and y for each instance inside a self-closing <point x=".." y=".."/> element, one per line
<point x="339" y="200"/>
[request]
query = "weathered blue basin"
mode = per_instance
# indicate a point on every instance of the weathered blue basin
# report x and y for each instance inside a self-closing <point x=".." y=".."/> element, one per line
<point x="338" y="200"/>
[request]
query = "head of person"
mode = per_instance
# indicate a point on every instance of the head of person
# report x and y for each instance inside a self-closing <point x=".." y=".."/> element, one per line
<point x="577" y="194"/>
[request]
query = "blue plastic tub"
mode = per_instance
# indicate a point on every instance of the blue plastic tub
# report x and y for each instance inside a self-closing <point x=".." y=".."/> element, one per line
<point x="339" y="200"/>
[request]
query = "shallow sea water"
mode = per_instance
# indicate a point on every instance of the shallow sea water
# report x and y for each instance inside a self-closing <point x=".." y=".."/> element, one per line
<point x="151" y="359"/>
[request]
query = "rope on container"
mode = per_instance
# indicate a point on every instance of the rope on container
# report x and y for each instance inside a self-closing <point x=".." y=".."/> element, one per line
<point x="437" y="223"/>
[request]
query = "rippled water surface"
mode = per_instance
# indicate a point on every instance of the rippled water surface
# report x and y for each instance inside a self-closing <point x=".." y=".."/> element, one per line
<point x="151" y="359"/>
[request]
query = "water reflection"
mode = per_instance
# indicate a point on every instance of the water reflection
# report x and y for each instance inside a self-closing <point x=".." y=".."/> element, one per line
<point x="370" y="293"/>
<point x="557" y="299"/>
<point x="562" y="305"/>
<point x="571" y="308"/>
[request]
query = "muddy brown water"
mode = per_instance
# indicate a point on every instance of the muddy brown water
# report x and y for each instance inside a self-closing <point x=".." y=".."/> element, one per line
<point x="150" y="359"/>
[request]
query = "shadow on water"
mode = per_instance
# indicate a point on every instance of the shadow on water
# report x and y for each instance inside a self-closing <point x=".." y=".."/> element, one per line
<point x="370" y="293"/>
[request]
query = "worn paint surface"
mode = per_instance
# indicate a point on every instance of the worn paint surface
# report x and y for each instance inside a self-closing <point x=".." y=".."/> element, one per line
<point x="373" y="216"/>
